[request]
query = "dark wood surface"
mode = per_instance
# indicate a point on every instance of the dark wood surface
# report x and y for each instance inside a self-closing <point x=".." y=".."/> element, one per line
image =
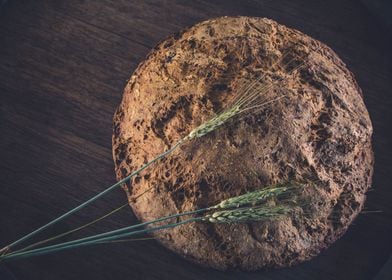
<point x="63" y="66"/>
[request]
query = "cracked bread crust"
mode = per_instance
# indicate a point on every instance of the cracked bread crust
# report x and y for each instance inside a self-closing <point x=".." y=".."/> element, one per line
<point x="320" y="133"/>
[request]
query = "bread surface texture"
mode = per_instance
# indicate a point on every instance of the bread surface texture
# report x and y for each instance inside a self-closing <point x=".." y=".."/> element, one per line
<point x="319" y="133"/>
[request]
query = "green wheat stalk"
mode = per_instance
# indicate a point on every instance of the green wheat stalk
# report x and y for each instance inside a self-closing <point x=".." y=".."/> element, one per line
<point x="227" y="211"/>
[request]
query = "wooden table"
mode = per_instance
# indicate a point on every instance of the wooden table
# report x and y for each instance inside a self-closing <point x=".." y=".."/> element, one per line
<point x="63" y="68"/>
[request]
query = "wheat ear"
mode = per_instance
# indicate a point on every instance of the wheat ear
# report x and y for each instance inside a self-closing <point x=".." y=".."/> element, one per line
<point x="247" y="214"/>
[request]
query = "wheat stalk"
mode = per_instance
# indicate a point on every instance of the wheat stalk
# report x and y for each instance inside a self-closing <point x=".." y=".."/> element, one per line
<point x="254" y="212"/>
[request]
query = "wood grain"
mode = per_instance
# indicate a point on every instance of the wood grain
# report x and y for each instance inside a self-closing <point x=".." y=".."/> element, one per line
<point x="63" y="68"/>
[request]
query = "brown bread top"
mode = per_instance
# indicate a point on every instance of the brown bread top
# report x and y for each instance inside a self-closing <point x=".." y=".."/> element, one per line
<point x="320" y="132"/>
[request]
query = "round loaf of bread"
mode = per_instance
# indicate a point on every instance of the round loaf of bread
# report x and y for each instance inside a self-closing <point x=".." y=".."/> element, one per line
<point x="318" y="133"/>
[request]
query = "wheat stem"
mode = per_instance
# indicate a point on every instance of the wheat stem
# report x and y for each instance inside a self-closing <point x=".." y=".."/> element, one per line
<point x="69" y="245"/>
<point x="94" y="198"/>
<point x="240" y="214"/>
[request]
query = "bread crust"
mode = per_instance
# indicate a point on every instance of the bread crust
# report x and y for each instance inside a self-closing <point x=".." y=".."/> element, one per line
<point x="320" y="133"/>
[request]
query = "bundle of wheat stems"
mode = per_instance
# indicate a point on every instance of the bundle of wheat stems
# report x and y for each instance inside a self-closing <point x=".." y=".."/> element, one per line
<point x="243" y="208"/>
